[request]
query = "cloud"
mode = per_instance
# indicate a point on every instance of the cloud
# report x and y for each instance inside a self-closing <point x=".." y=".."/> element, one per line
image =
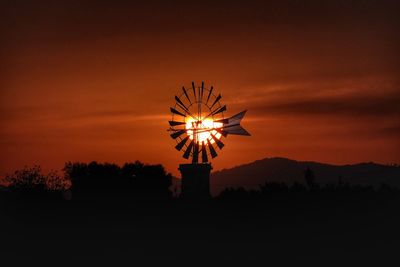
<point x="393" y="131"/>
<point x="352" y="105"/>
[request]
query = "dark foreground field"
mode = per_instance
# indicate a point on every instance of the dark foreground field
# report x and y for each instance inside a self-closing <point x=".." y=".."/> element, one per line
<point x="308" y="229"/>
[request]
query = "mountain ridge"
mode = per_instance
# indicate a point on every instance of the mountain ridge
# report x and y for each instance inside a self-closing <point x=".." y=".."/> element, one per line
<point x="279" y="169"/>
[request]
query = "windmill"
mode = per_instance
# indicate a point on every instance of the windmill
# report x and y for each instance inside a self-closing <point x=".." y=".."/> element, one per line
<point x="198" y="126"/>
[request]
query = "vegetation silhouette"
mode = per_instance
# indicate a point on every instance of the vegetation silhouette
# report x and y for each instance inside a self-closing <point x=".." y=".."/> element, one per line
<point x="137" y="180"/>
<point x="309" y="189"/>
<point x="93" y="181"/>
<point x="109" y="180"/>
<point x="106" y="221"/>
<point x="32" y="182"/>
<point x="310" y="178"/>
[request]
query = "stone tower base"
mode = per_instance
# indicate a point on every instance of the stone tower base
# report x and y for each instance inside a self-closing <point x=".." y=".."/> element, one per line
<point x="195" y="181"/>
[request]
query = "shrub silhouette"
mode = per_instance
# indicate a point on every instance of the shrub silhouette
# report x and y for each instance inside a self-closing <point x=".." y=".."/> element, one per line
<point x="32" y="180"/>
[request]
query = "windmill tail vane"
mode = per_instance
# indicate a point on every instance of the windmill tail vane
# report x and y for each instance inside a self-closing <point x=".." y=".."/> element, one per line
<point x="198" y="123"/>
<point x="232" y="125"/>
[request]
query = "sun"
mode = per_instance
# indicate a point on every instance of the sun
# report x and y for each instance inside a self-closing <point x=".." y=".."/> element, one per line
<point x="201" y="130"/>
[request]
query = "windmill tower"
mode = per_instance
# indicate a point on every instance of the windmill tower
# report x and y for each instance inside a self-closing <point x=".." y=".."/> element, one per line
<point x="198" y="125"/>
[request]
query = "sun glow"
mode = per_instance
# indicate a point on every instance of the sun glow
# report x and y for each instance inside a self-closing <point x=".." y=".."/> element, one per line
<point x="201" y="130"/>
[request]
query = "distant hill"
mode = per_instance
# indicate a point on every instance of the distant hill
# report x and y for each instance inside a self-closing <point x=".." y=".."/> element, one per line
<point x="253" y="174"/>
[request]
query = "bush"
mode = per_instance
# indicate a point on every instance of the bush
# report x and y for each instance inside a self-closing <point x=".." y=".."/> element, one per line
<point x="31" y="179"/>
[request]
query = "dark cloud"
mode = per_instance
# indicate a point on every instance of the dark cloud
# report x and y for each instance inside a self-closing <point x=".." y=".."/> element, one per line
<point x="66" y="20"/>
<point x="355" y="105"/>
<point x="393" y="131"/>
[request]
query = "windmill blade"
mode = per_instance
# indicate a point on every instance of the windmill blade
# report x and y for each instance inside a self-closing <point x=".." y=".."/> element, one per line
<point x="178" y="133"/>
<point x="188" y="150"/>
<point x="209" y="94"/>
<point x="216" y="100"/>
<point x="219" y="110"/>
<point x="180" y="145"/>
<point x="217" y="141"/>
<point x="211" y="148"/>
<point x="181" y="103"/>
<point x="182" y="106"/>
<point x="222" y="132"/>
<point x="184" y="91"/>
<point x="204" y="157"/>
<point x="199" y="98"/>
<point x="196" y="153"/>
<point x="202" y="91"/>
<point x="194" y="91"/>
<point x="177" y="112"/>
<point x="176" y="123"/>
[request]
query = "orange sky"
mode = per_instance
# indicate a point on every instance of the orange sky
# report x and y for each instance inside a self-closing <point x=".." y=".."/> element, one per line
<point x="94" y="80"/>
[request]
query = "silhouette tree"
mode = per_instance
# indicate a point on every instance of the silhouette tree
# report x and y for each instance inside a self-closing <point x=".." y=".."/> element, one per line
<point x="110" y="180"/>
<point x="31" y="179"/>
<point x="310" y="178"/>
<point x="148" y="180"/>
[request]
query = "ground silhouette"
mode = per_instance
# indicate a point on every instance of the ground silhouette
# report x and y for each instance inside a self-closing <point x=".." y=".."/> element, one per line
<point x="127" y="215"/>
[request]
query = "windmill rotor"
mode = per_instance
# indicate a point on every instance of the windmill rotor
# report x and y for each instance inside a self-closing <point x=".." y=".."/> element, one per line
<point x="198" y="123"/>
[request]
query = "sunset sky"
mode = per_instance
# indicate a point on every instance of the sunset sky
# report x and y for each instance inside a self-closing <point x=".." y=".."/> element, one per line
<point x="94" y="80"/>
